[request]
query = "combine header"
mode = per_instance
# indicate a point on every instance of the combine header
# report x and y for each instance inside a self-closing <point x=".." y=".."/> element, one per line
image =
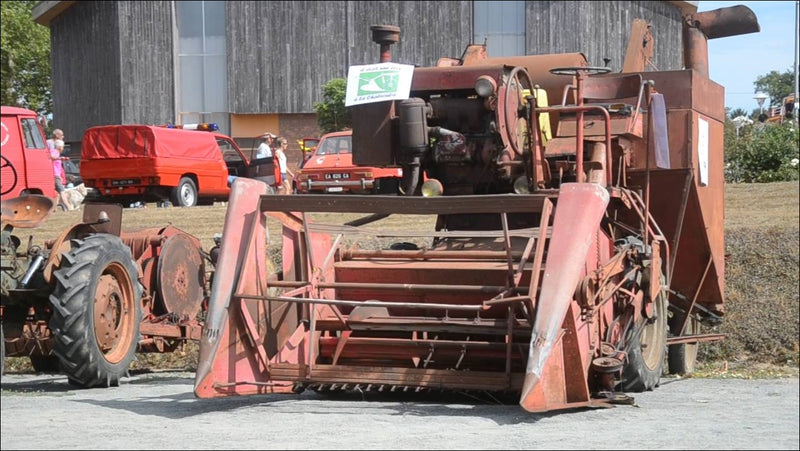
<point x="576" y="233"/>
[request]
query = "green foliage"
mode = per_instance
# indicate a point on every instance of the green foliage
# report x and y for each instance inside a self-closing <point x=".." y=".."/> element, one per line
<point x="761" y="153"/>
<point x="776" y="85"/>
<point x="25" y="59"/>
<point x="332" y="115"/>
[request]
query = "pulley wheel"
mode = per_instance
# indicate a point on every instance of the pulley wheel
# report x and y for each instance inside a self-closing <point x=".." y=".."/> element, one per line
<point x="181" y="277"/>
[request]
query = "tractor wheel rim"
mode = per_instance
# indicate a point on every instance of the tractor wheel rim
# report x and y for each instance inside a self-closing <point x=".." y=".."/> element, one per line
<point x="114" y="308"/>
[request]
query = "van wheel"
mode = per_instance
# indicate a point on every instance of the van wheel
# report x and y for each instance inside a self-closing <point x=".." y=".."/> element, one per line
<point x="185" y="194"/>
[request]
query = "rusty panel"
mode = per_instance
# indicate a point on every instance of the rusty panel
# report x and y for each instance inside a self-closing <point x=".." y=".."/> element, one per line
<point x="679" y="126"/>
<point x="373" y="138"/>
<point x="712" y="202"/>
<point x="693" y="246"/>
<point x="687" y="89"/>
<point x="456" y="77"/>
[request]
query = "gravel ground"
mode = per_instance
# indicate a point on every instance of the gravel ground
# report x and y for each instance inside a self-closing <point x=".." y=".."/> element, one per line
<point x="159" y="411"/>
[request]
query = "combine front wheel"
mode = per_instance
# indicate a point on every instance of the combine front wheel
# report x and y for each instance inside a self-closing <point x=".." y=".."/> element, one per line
<point x="646" y="350"/>
<point x="96" y="311"/>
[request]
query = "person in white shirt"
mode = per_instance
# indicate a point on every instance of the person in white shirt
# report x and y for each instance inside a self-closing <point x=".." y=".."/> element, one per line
<point x="280" y="153"/>
<point x="265" y="148"/>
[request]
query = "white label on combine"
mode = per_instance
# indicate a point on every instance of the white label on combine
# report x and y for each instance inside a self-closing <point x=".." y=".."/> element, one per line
<point x="378" y="82"/>
<point x="702" y="150"/>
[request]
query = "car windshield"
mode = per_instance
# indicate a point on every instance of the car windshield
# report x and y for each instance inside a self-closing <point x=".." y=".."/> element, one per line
<point x="335" y="145"/>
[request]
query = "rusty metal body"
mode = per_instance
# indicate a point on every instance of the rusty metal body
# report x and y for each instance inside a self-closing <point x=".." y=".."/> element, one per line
<point x="581" y="224"/>
<point x="168" y="279"/>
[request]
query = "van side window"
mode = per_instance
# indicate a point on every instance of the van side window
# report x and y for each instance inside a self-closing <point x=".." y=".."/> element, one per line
<point x="31" y="134"/>
<point x="229" y="153"/>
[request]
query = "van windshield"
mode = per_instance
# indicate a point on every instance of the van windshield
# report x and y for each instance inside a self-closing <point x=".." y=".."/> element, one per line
<point x="32" y="134"/>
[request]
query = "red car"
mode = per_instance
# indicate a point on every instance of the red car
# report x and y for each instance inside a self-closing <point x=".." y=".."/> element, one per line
<point x="330" y="169"/>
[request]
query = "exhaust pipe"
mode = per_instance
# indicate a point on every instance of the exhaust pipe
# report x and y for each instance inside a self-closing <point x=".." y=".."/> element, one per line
<point x="698" y="28"/>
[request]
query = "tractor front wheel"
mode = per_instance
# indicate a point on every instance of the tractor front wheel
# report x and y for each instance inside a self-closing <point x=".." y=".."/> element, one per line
<point x="96" y="311"/>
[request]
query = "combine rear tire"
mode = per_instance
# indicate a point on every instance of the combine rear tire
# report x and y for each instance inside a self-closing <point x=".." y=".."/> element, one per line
<point x="681" y="358"/>
<point x="646" y="351"/>
<point x="96" y="311"/>
<point x="185" y="194"/>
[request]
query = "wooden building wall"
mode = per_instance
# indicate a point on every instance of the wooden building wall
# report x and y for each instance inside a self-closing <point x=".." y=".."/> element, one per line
<point x="85" y="66"/>
<point x="147" y="87"/>
<point x="112" y="64"/>
<point x="601" y="29"/>
<point x="280" y="53"/>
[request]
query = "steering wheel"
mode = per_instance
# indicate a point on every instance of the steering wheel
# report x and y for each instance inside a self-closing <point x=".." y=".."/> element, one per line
<point x="575" y="70"/>
<point x="5" y="167"/>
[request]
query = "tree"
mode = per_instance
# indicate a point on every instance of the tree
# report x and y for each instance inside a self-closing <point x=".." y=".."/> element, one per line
<point x="332" y="115"/>
<point x="24" y="59"/>
<point x="776" y="85"/>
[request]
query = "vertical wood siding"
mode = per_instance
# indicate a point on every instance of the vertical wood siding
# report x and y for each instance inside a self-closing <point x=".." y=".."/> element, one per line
<point x="147" y="86"/>
<point x="601" y="29"/>
<point x="85" y="62"/>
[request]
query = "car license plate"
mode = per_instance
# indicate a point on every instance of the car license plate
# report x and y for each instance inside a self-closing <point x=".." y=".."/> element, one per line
<point x="337" y="176"/>
<point x="125" y="182"/>
<point x="333" y="189"/>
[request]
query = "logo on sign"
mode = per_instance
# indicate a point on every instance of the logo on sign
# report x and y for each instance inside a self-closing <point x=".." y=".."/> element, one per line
<point x="378" y="82"/>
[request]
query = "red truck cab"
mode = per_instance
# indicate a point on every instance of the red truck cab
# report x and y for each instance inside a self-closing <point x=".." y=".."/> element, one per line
<point x="157" y="163"/>
<point x="26" y="167"/>
<point x="330" y="169"/>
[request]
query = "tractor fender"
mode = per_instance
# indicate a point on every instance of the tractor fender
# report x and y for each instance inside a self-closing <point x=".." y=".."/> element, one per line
<point x="62" y="245"/>
<point x="579" y="209"/>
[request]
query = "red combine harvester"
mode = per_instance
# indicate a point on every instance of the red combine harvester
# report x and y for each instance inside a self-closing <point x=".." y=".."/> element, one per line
<point x="576" y="234"/>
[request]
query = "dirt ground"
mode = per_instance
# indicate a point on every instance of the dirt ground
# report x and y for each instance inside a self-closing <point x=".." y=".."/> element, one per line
<point x="159" y="411"/>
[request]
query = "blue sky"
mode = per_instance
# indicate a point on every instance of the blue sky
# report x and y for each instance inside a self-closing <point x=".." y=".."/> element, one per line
<point x="737" y="61"/>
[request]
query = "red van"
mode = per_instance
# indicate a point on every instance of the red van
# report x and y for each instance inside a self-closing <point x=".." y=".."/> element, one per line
<point x="158" y="163"/>
<point x="26" y="167"/>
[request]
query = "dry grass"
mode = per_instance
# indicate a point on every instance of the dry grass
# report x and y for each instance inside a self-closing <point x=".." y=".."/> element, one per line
<point x="762" y="297"/>
<point x="757" y="205"/>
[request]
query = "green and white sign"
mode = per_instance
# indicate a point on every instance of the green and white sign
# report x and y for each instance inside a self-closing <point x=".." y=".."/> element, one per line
<point x="378" y="82"/>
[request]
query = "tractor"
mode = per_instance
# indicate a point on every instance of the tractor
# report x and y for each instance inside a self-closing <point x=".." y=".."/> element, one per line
<point x="87" y="301"/>
<point x="575" y="241"/>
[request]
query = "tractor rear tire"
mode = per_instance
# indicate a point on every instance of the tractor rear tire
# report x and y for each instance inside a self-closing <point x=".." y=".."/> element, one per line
<point x="185" y="194"/>
<point x="646" y="351"/>
<point x="681" y="358"/>
<point x="96" y="311"/>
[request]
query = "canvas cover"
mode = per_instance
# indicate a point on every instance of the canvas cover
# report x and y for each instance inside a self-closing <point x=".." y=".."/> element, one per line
<point x="137" y="141"/>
